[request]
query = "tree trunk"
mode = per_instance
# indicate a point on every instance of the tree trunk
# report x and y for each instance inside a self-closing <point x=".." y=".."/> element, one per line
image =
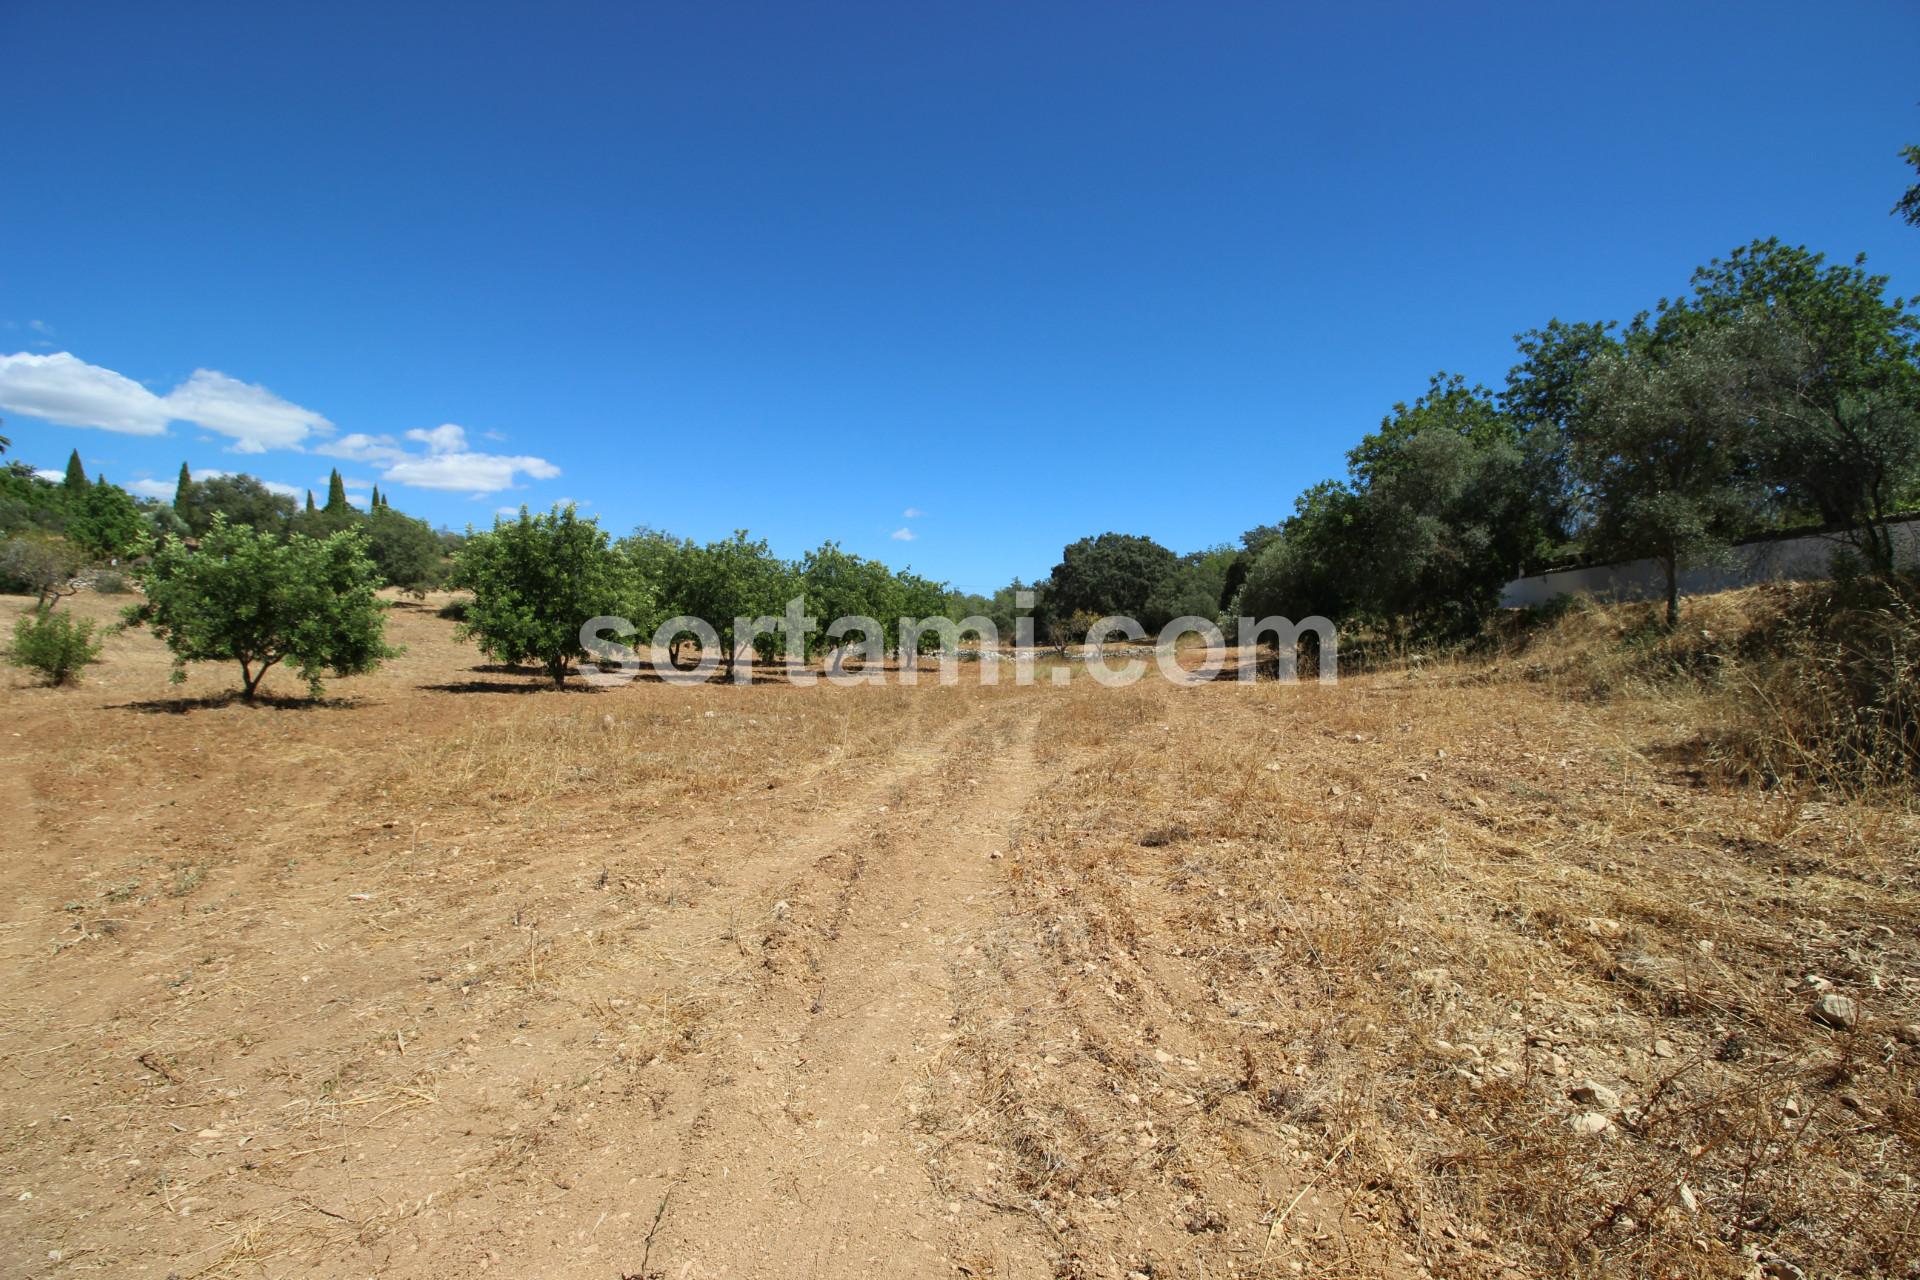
<point x="1672" y="565"/>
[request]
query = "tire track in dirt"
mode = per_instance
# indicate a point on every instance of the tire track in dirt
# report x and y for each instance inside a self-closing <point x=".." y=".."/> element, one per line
<point x="806" y="1158"/>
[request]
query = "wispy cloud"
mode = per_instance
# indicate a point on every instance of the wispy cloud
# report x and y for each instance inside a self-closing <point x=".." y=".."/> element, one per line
<point x="251" y="416"/>
<point x="460" y="471"/>
<point x="358" y="446"/>
<point x="902" y="534"/>
<point x="66" y="390"/>
<point x="445" y="438"/>
<point x="913" y="513"/>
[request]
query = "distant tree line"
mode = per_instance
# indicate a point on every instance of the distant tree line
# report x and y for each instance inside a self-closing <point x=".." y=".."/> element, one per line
<point x="52" y="530"/>
<point x="535" y="579"/>
<point x="1780" y="391"/>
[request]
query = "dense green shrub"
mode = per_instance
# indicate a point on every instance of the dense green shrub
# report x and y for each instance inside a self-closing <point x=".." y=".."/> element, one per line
<point x="56" y="645"/>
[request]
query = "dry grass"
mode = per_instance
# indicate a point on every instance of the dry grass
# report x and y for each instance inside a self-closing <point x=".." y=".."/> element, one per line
<point x="1406" y="919"/>
<point x="1803" y="686"/>
<point x="1241" y="980"/>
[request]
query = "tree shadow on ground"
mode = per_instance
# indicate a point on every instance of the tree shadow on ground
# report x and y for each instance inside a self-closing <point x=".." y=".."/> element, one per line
<point x="542" y="685"/>
<point x="212" y="702"/>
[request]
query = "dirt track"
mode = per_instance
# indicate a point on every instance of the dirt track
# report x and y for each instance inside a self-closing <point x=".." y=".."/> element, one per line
<point x="456" y="974"/>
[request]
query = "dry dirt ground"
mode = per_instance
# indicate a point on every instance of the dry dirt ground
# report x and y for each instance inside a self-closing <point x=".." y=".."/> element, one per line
<point x="1430" y="973"/>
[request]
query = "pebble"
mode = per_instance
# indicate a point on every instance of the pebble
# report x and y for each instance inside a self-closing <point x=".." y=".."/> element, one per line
<point x="1836" y="1011"/>
<point x="1663" y="1049"/>
<point x="1597" y="1095"/>
<point x="1590" y="1123"/>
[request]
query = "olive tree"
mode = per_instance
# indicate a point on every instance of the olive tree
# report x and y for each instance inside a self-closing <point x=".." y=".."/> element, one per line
<point x="248" y="597"/>
<point x="1666" y="450"/>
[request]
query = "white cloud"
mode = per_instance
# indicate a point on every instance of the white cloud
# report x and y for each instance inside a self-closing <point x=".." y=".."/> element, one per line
<point x="447" y="464"/>
<point x="474" y="473"/>
<point x="498" y="437"/>
<point x="254" y="417"/>
<point x="358" y="446"/>
<point x="902" y="534"/>
<point x="506" y="513"/>
<point x="913" y="513"/>
<point x="40" y="326"/>
<point x="64" y="389"/>
<point x="50" y="475"/>
<point x="161" y="489"/>
<point x="445" y="438"/>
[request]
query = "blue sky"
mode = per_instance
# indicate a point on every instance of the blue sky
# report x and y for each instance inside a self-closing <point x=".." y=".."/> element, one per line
<point x="1033" y="272"/>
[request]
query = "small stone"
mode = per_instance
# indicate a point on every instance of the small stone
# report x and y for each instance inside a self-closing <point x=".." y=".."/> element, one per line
<point x="1908" y="1034"/>
<point x="1663" y="1048"/>
<point x="1594" y="1094"/>
<point x="1590" y="1123"/>
<point x="1836" y="1011"/>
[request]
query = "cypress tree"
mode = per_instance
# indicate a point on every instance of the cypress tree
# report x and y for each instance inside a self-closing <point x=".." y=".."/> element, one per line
<point x="183" y="490"/>
<point x="336" y="492"/>
<point x="76" y="474"/>
<point x="310" y="506"/>
<point x="373" y="503"/>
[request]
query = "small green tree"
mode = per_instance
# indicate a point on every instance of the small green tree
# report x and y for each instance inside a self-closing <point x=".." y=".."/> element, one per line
<point x="76" y="481"/>
<point x="107" y="523"/>
<point x="250" y="598"/>
<point x="55" y="644"/>
<point x="183" y="490"/>
<point x="535" y="581"/>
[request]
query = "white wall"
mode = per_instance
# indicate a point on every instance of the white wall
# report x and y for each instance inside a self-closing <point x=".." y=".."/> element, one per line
<point x="1783" y="559"/>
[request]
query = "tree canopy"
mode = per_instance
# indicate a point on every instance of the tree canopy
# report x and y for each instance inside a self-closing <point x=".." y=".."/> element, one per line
<point x="249" y="597"/>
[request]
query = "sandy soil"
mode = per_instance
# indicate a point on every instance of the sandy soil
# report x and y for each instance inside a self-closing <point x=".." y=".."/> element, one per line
<point x="452" y="973"/>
